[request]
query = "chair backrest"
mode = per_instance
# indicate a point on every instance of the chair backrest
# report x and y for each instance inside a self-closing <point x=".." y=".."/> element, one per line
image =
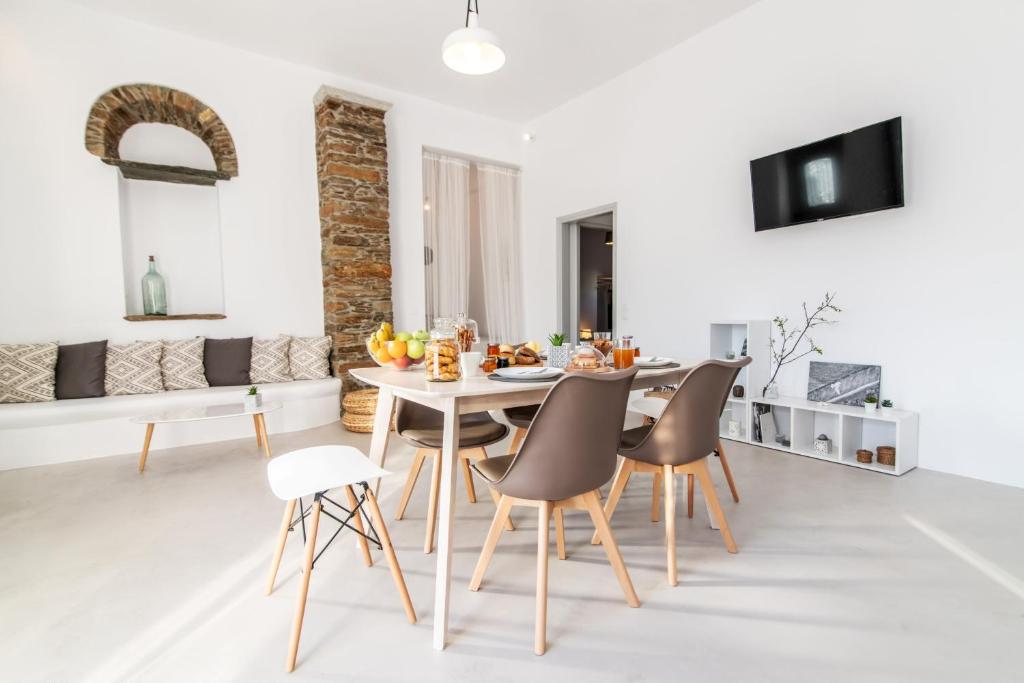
<point x="688" y="428"/>
<point x="412" y="415"/>
<point x="572" y="444"/>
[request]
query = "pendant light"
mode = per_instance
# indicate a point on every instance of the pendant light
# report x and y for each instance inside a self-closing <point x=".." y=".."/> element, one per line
<point x="472" y="50"/>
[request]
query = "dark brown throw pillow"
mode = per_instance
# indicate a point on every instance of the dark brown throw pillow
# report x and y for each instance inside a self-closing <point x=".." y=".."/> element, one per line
<point x="227" y="361"/>
<point x="81" y="369"/>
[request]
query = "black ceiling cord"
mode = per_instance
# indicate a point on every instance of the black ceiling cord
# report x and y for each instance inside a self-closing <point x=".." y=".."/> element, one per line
<point x="470" y="4"/>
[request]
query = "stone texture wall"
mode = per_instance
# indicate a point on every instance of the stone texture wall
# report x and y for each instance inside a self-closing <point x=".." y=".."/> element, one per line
<point x="352" y="168"/>
<point x="122" y="107"/>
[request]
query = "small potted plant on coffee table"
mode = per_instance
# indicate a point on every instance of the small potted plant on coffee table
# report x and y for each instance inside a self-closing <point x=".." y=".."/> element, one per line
<point x="870" y="403"/>
<point x="253" y="399"/>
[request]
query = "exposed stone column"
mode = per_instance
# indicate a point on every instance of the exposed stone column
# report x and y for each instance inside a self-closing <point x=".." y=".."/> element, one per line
<point x="352" y="168"/>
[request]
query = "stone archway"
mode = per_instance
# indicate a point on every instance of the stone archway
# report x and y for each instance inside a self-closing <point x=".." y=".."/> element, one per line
<point x="122" y="107"/>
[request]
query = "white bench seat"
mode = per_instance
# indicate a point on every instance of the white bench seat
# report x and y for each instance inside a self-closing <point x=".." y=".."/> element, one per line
<point x="78" y="429"/>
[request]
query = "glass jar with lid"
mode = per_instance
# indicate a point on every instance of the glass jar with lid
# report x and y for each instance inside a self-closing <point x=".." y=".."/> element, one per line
<point x="441" y="356"/>
<point x="586" y="357"/>
<point x="467" y="332"/>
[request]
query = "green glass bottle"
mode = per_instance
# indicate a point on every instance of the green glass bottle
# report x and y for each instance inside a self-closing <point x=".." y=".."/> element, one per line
<point x="154" y="296"/>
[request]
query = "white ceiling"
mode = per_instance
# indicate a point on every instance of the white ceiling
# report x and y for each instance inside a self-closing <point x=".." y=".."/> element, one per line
<point x="556" y="49"/>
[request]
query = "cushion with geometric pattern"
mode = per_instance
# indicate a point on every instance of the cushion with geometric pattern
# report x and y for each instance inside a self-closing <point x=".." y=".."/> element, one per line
<point x="269" y="361"/>
<point x="27" y="372"/>
<point x="134" y="368"/>
<point x="307" y="357"/>
<point x="182" y="364"/>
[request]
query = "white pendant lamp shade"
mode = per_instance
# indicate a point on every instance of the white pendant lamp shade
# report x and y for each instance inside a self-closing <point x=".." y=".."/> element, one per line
<point x="472" y="50"/>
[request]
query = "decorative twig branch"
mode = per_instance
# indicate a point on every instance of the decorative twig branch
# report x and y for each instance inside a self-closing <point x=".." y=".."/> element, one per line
<point x="791" y="338"/>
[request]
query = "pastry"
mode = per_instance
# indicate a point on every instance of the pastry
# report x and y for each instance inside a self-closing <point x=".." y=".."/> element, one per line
<point x="527" y="356"/>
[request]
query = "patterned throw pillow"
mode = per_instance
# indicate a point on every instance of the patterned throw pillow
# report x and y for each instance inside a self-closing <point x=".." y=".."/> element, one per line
<point x="182" y="364"/>
<point x="307" y="357"/>
<point x="27" y="372"/>
<point x="270" y="360"/>
<point x="134" y="368"/>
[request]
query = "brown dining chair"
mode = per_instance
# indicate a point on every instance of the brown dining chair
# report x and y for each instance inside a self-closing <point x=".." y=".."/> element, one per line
<point x="423" y="428"/>
<point x="566" y="456"/>
<point x="680" y="442"/>
<point x="520" y="417"/>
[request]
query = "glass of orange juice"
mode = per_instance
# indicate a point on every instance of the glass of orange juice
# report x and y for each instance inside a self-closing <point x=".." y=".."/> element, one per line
<point x="623" y="353"/>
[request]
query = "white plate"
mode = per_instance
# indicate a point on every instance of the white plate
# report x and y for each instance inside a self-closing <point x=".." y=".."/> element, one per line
<point x="528" y="373"/>
<point x="652" y="361"/>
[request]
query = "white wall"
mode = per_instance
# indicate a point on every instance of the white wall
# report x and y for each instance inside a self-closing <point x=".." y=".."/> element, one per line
<point x="60" y="257"/>
<point x="930" y="291"/>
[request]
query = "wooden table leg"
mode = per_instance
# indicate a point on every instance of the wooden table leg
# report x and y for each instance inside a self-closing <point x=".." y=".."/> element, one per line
<point x="446" y="518"/>
<point x="145" y="447"/>
<point x="381" y="430"/>
<point x="259" y="434"/>
<point x="263" y="433"/>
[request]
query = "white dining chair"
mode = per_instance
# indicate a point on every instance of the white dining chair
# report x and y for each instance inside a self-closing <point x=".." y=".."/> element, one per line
<point x="313" y="472"/>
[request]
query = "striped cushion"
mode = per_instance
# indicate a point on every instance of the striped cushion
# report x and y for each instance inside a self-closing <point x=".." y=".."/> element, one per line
<point x="134" y="368"/>
<point x="307" y="357"/>
<point x="182" y="364"/>
<point x="270" y="360"/>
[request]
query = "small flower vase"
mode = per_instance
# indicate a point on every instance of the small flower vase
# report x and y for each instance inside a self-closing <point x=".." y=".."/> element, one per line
<point x="771" y="391"/>
<point x="560" y="355"/>
<point x="252" y="402"/>
<point x="870" y="407"/>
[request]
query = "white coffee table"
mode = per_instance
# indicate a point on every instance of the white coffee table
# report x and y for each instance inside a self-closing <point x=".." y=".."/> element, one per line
<point x="208" y="413"/>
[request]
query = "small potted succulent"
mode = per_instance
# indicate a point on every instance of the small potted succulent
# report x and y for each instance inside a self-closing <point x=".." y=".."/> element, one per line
<point x="558" y="356"/>
<point x="253" y="399"/>
<point x="886" y="407"/>
<point x="870" y="403"/>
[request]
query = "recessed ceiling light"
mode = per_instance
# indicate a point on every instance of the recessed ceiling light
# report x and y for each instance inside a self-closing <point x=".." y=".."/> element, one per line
<point x="472" y="50"/>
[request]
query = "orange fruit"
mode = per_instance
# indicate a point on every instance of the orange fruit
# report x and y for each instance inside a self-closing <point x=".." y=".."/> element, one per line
<point x="396" y="349"/>
<point x="382" y="355"/>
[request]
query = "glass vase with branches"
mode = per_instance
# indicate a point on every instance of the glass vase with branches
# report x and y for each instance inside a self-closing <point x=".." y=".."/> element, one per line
<point x="796" y="342"/>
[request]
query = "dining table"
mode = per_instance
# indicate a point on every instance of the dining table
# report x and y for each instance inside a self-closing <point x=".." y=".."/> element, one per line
<point x="468" y="395"/>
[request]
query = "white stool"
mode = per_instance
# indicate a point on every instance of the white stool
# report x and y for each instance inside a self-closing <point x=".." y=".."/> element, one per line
<point x="315" y="471"/>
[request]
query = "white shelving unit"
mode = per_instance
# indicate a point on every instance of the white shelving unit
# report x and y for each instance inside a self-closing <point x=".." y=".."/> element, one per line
<point x="850" y="427"/>
<point x="729" y="335"/>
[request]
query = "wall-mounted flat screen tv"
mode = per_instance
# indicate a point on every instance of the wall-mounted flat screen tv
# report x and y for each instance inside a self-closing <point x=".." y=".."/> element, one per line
<point x="847" y="174"/>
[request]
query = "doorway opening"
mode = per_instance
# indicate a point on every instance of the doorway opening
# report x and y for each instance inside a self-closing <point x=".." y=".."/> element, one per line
<point x="587" y="283"/>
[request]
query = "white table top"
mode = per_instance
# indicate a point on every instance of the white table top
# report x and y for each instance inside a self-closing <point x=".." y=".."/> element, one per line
<point x="205" y="413"/>
<point x="412" y="384"/>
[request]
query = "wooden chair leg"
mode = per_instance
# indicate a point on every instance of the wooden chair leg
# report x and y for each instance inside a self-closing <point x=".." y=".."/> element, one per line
<point x="701" y="469"/>
<point x="495" y="496"/>
<point x="728" y="472"/>
<point x="517" y="440"/>
<point x="656" y="496"/>
<point x="497" y="525"/>
<point x="282" y="538"/>
<point x="670" y="523"/>
<point x="145" y="447"/>
<point x="389" y="555"/>
<point x="689" y="496"/>
<point x="611" y="548"/>
<point x="626" y="468"/>
<point x="560" y="533"/>
<point x="410" y="482"/>
<point x="468" y="477"/>
<point x="435" y="489"/>
<point x="307" y="570"/>
<point x="357" y="522"/>
<point x="259" y="434"/>
<point x="540" y="628"/>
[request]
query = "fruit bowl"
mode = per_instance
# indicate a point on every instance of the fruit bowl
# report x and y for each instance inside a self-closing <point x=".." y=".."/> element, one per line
<point x="401" y="351"/>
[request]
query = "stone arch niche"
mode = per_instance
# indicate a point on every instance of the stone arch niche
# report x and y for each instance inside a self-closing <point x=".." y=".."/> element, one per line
<point x="122" y="107"/>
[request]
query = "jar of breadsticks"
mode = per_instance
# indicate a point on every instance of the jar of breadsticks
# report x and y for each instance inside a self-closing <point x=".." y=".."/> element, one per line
<point x="441" y="358"/>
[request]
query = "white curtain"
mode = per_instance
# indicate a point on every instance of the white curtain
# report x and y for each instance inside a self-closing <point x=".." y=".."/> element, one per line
<point x="446" y="234"/>
<point x="498" y="199"/>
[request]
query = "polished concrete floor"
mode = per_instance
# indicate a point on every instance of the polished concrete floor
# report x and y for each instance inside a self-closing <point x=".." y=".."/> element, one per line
<point x="842" y="575"/>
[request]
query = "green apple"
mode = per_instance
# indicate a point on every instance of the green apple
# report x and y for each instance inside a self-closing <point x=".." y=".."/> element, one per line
<point x="421" y="335"/>
<point x="414" y="349"/>
<point x="403" y="336"/>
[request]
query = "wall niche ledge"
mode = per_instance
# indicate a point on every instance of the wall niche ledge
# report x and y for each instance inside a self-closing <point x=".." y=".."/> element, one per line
<point x="182" y="316"/>
<point x="139" y="170"/>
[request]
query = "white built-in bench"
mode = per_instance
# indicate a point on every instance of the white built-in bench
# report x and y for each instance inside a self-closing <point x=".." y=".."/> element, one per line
<point x="79" y="429"/>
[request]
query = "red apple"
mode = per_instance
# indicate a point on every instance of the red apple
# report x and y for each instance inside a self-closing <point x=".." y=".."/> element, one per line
<point x="402" y="362"/>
